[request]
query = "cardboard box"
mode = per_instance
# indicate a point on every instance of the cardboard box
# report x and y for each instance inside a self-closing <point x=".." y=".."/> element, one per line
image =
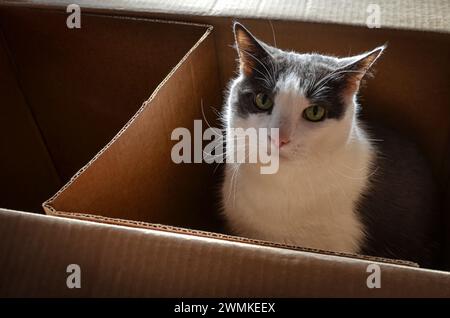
<point x="82" y="86"/>
<point x="119" y="261"/>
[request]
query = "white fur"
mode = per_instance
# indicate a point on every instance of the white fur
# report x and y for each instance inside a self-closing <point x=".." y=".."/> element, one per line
<point x="311" y="200"/>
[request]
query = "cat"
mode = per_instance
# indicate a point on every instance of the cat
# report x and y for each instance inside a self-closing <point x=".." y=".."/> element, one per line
<point x="342" y="184"/>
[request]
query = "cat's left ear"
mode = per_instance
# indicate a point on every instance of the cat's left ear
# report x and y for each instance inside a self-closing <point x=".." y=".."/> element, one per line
<point x="356" y="67"/>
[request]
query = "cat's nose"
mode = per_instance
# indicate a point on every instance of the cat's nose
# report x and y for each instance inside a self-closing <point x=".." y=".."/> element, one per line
<point x="284" y="142"/>
<point x="281" y="142"/>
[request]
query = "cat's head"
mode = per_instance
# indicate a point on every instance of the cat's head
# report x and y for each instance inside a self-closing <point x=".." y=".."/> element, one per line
<point x="309" y="97"/>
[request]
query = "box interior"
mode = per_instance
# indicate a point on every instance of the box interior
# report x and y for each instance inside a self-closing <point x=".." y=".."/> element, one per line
<point x="67" y="92"/>
<point x="70" y="91"/>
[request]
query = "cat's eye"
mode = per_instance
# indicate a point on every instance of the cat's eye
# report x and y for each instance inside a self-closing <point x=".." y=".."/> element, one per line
<point x="314" y="113"/>
<point x="263" y="101"/>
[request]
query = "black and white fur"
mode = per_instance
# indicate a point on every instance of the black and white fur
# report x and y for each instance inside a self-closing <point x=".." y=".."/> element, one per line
<point x="341" y="186"/>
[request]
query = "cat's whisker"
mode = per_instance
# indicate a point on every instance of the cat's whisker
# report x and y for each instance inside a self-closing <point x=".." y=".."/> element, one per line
<point x="217" y="167"/>
<point x="321" y="91"/>
<point x="376" y="140"/>
<point x="333" y="75"/>
<point x="273" y="33"/>
<point x="235" y="184"/>
<point x="232" y="183"/>
<point x="236" y="179"/>
<point x="274" y="68"/>
<point x="227" y="154"/>
<point x="216" y="112"/>
<point x="264" y="78"/>
<point x="266" y="85"/>
<point x="262" y="64"/>
<point x="204" y="116"/>
<point x="355" y="178"/>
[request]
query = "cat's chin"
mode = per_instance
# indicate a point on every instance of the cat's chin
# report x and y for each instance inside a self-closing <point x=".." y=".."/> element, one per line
<point x="286" y="154"/>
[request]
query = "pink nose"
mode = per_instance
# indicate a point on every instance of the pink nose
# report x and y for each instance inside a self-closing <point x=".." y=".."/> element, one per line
<point x="284" y="142"/>
<point x="280" y="142"/>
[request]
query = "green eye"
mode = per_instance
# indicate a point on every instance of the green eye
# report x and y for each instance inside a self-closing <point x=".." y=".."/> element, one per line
<point x="263" y="101"/>
<point x="314" y="113"/>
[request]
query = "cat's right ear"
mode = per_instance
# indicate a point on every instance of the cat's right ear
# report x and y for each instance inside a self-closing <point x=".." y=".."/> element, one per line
<point x="252" y="54"/>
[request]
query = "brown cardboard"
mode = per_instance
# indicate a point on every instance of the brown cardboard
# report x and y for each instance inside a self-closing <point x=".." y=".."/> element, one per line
<point x="149" y="180"/>
<point x="25" y="161"/>
<point x="73" y="69"/>
<point x="132" y="181"/>
<point x="430" y="15"/>
<point x="117" y="261"/>
<point x="139" y="204"/>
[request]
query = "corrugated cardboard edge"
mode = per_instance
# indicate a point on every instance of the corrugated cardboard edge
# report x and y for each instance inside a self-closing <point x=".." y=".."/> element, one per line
<point x="221" y="236"/>
<point x="50" y="210"/>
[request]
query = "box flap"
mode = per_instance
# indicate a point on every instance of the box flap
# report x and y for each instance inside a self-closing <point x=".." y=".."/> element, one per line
<point x="133" y="176"/>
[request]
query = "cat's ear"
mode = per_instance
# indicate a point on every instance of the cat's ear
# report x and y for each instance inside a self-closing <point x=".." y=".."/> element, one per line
<point x="252" y="54"/>
<point x="356" y="67"/>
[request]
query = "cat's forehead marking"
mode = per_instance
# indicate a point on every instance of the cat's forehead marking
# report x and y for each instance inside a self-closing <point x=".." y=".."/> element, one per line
<point x="288" y="82"/>
<point x="301" y="71"/>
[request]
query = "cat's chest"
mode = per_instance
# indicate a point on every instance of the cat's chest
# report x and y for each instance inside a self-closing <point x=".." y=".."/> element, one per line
<point x="308" y="208"/>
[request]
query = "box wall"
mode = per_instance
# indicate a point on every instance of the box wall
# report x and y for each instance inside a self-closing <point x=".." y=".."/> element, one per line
<point x="84" y="84"/>
<point x="27" y="173"/>
<point x="118" y="261"/>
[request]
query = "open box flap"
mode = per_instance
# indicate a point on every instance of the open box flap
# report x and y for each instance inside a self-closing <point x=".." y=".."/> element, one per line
<point x="134" y="175"/>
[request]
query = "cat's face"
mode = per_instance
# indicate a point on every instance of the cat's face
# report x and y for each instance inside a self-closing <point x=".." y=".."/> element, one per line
<point x="310" y="98"/>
